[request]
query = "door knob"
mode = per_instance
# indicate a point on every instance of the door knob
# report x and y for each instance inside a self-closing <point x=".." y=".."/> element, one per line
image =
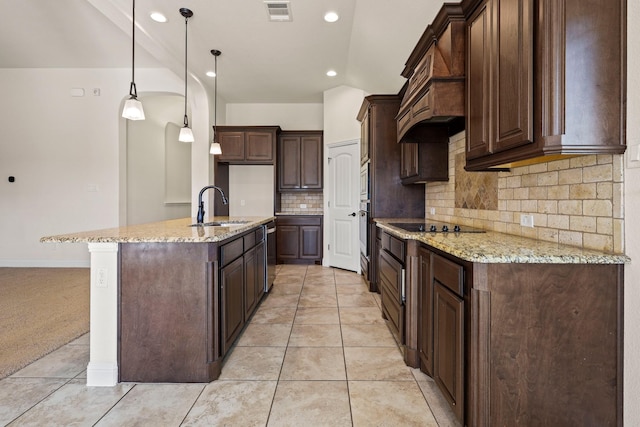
<point x="352" y="214"/>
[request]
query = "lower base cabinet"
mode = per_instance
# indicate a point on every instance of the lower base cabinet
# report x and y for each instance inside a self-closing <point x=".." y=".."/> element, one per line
<point x="183" y="305"/>
<point x="518" y="344"/>
<point x="299" y="239"/>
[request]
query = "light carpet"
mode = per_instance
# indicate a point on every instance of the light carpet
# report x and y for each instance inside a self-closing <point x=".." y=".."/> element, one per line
<point x="41" y="309"/>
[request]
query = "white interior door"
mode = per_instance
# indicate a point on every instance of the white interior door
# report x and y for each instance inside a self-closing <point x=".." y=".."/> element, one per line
<point x="342" y="205"/>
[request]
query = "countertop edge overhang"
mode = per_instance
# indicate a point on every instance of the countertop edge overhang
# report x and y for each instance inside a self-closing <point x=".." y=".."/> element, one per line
<point x="498" y="248"/>
<point x="170" y="231"/>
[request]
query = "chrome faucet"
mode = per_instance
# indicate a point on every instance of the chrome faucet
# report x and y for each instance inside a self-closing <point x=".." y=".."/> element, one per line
<point x="201" y="203"/>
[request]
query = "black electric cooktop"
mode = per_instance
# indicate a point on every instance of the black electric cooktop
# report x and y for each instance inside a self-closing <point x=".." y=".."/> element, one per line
<point x="435" y="227"/>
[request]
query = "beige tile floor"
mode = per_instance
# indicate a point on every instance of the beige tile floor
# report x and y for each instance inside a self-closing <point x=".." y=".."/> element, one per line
<point x="316" y="353"/>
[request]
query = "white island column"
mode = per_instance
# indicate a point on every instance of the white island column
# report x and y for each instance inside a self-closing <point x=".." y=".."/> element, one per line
<point x="102" y="370"/>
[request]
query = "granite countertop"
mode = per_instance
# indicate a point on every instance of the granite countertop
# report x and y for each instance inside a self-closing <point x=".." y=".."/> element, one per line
<point x="176" y="230"/>
<point x="494" y="247"/>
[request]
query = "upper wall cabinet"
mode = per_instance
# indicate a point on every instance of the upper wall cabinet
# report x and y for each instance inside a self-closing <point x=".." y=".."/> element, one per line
<point x="300" y="161"/>
<point x="545" y="80"/>
<point x="254" y="145"/>
<point x="434" y="92"/>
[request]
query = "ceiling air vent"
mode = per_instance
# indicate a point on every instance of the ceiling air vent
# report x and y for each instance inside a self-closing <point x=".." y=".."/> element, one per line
<point x="279" y="11"/>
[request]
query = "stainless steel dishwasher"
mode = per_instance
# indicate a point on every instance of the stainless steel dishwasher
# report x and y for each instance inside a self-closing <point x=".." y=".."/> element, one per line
<point x="271" y="255"/>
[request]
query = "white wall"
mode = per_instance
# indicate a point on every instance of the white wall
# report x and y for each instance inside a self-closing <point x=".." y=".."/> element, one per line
<point x="341" y="106"/>
<point x="158" y="165"/>
<point x="632" y="226"/>
<point x="287" y="116"/>
<point x="251" y="190"/>
<point x="65" y="154"/>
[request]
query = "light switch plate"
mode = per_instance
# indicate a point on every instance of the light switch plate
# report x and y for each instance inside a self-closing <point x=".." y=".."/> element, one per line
<point x="633" y="155"/>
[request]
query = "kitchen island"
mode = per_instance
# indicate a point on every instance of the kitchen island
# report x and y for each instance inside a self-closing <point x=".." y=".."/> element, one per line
<point x="168" y="299"/>
<point x="514" y="331"/>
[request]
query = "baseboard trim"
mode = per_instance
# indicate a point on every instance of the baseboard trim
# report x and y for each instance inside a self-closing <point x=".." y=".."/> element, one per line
<point x="35" y="263"/>
<point x="102" y="374"/>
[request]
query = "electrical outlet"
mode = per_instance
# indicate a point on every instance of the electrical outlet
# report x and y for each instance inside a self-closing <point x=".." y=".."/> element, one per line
<point x="432" y="211"/>
<point x="101" y="278"/>
<point x="526" y="220"/>
<point x="303" y="206"/>
<point x="242" y="202"/>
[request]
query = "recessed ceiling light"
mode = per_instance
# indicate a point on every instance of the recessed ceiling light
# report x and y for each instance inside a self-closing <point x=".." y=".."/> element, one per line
<point x="158" y="17"/>
<point x="211" y="73"/>
<point x="331" y="73"/>
<point x="331" y="16"/>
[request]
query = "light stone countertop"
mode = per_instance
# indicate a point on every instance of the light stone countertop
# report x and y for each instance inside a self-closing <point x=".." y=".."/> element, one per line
<point x="492" y="247"/>
<point x="310" y="213"/>
<point x="171" y="231"/>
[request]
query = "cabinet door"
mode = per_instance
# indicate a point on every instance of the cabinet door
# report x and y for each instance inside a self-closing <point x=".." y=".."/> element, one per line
<point x="310" y="242"/>
<point x="259" y="146"/>
<point x="232" y="144"/>
<point x="408" y="160"/>
<point x="448" y="346"/>
<point x="289" y="163"/>
<point x="288" y="241"/>
<point x="478" y="124"/>
<point x="250" y="278"/>
<point x="425" y="310"/>
<point x="311" y="162"/>
<point x="512" y="62"/>
<point x="364" y="143"/>
<point x="499" y="76"/>
<point x="261" y="277"/>
<point x="232" y="290"/>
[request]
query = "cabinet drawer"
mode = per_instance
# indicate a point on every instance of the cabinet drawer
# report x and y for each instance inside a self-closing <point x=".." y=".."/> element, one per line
<point x="250" y="240"/>
<point x="448" y="273"/>
<point x="300" y="220"/>
<point x="260" y="234"/>
<point x="393" y="245"/>
<point x="390" y="271"/>
<point x="230" y="251"/>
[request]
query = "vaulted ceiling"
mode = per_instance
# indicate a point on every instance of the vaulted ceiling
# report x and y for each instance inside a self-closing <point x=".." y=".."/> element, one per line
<point x="261" y="61"/>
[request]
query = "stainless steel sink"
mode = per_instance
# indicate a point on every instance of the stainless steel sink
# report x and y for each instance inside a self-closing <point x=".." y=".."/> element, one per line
<point x="220" y="224"/>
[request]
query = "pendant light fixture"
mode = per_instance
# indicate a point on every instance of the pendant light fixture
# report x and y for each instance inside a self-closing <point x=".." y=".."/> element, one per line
<point x="186" y="134"/>
<point x="215" y="149"/>
<point x="132" y="107"/>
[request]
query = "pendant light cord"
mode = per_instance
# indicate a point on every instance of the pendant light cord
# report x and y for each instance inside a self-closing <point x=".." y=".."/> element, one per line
<point x="186" y="120"/>
<point x="132" y="89"/>
<point x="215" y="106"/>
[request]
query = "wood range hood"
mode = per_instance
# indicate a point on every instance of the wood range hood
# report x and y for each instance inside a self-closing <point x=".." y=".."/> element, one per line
<point x="433" y="95"/>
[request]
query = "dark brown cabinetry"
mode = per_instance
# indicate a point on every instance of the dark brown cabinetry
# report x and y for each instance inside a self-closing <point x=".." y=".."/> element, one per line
<point x="515" y="342"/>
<point x="434" y="92"/>
<point x="300" y="161"/>
<point x="564" y="97"/>
<point x="299" y="239"/>
<point x="242" y="282"/>
<point x="381" y="158"/>
<point x="182" y="305"/>
<point x="247" y="144"/>
<point x="448" y="331"/>
<point x="391" y="276"/>
<point x="425" y="311"/>
<point x="427" y="159"/>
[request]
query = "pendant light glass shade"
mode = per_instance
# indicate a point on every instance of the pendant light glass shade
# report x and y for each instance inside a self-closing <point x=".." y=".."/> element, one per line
<point x="186" y="134"/>
<point x="215" y="149"/>
<point x="132" y="107"/>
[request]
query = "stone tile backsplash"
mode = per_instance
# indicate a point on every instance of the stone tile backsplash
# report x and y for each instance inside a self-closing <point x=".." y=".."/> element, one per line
<point x="575" y="201"/>
<point x="290" y="202"/>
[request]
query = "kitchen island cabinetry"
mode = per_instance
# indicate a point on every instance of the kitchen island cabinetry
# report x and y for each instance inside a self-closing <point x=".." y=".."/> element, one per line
<point x="168" y="299"/>
<point x="515" y="331"/>
<point x="247" y="144"/>
<point x="300" y="161"/>
<point x="536" y="91"/>
<point x="299" y="239"/>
